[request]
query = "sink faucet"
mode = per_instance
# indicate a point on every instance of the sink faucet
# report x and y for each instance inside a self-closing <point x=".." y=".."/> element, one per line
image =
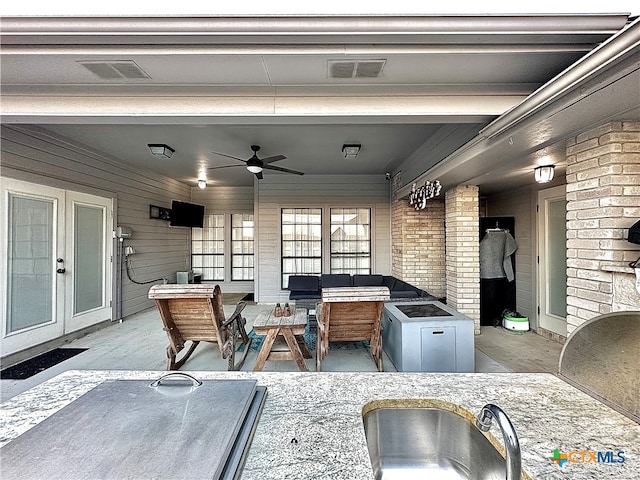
<point x="511" y="444"/>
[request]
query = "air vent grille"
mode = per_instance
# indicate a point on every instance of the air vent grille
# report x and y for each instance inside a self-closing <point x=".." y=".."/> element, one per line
<point x="355" y="68"/>
<point x="109" y="70"/>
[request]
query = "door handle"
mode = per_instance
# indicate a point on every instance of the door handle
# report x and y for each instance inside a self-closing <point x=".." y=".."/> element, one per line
<point x="61" y="269"/>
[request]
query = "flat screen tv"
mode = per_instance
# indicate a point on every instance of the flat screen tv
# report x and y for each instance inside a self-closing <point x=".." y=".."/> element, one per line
<point x="185" y="214"/>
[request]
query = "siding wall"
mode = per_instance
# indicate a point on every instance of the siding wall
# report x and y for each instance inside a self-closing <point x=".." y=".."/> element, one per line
<point x="280" y="191"/>
<point x="226" y="200"/>
<point x="32" y="155"/>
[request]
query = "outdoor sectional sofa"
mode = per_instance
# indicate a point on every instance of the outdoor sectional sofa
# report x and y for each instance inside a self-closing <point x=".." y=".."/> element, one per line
<point x="303" y="288"/>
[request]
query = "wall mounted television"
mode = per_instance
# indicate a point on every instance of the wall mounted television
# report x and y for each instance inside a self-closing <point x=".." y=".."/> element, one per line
<point x="185" y="214"/>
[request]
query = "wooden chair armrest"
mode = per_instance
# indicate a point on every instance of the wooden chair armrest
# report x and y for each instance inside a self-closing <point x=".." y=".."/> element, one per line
<point x="236" y="314"/>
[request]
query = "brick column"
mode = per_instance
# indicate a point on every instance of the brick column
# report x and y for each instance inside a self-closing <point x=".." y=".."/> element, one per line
<point x="417" y="242"/>
<point x="463" y="251"/>
<point x="603" y="201"/>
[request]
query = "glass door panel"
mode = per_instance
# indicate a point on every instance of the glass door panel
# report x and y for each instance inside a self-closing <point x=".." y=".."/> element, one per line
<point x="89" y="258"/>
<point x="30" y="262"/>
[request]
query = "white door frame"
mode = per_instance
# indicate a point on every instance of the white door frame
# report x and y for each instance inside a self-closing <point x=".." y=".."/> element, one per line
<point x="63" y="320"/>
<point x="41" y="332"/>
<point x="76" y="321"/>
<point x="546" y="319"/>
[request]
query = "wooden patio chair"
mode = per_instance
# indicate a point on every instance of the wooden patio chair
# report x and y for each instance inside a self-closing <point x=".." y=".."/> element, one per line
<point x="194" y="313"/>
<point x="350" y="314"/>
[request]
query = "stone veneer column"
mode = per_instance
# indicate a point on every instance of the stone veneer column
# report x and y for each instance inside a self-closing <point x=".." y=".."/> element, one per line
<point x="463" y="251"/>
<point x="603" y="201"/>
<point x="417" y="243"/>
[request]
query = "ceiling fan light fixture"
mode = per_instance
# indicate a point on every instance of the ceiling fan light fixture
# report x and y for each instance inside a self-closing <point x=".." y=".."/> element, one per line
<point x="254" y="168"/>
<point x="350" y="150"/>
<point x="161" y="150"/>
<point x="543" y="174"/>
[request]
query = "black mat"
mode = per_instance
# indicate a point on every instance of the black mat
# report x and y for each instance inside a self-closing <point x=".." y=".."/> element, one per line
<point x="34" y="365"/>
<point x="248" y="297"/>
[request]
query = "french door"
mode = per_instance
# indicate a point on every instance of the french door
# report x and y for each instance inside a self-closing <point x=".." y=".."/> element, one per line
<point x="56" y="262"/>
<point x="552" y="259"/>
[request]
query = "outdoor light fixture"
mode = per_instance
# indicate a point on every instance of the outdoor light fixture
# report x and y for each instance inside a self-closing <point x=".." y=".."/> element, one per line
<point x="544" y="174"/>
<point x="161" y="150"/>
<point x="254" y="168"/>
<point x="350" y="150"/>
<point x="202" y="184"/>
<point x="419" y="195"/>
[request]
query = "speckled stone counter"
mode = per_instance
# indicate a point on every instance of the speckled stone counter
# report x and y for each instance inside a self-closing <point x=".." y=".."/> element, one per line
<point x="323" y="412"/>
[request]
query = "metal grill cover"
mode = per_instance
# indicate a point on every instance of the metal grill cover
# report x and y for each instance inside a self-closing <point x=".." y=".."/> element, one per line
<point x="128" y="429"/>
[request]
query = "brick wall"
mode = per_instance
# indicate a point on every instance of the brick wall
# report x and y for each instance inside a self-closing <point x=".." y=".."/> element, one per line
<point x="463" y="251"/>
<point x="418" y="243"/>
<point x="603" y="201"/>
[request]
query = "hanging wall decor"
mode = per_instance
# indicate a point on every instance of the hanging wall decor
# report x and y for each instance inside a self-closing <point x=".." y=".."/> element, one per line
<point x="419" y="195"/>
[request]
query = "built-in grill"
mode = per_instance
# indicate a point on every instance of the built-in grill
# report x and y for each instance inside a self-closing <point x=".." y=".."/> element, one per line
<point x="175" y="427"/>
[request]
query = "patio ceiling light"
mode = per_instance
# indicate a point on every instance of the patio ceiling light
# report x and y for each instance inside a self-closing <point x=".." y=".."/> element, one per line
<point x="161" y="150"/>
<point x="350" y="150"/>
<point x="544" y="174"/>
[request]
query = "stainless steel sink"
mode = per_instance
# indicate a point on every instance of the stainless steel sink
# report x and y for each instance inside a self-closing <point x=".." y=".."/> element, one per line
<point x="426" y="442"/>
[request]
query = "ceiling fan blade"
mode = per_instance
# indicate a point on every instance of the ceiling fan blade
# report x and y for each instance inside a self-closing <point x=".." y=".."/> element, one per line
<point x="223" y="166"/>
<point x="275" y="158"/>
<point x="280" y="169"/>
<point x="259" y="175"/>
<point x="229" y="156"/>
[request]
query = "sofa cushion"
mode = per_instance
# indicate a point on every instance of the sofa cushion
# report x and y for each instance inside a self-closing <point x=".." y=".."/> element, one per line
<point x="329" y="280"/>
<point x="304" y="295"/>
<point x="367" y="280"/>
<point x="304" y="283"/>
<point x="404" y="294"/>
<point x="388" y="281"/>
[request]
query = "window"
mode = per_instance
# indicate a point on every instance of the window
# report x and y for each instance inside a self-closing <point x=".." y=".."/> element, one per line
<point x="351" y="240"/>
<point x="207" y="248"/>
<point x="301" y="242"/>
<point x="241" y="247"/>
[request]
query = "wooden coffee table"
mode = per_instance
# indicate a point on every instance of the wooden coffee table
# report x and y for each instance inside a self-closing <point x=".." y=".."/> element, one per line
<point x="291" y="328"/>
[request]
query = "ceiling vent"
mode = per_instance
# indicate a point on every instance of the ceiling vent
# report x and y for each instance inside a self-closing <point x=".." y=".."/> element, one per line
<point x="109" y="70"/>
<point x="355" y="68"/>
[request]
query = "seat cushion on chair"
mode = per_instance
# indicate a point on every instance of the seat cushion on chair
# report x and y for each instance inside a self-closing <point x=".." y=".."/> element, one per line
<point x="330" y="280"/>
<point x="367" y="280"/>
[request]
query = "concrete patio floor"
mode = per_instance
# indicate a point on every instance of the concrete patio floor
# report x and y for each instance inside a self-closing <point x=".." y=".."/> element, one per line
<point x="139" y="343"/>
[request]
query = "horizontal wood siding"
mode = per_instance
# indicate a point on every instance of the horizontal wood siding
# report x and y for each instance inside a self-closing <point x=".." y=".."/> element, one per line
<point x="33" y="155"/>
<point x="285" y="191"/>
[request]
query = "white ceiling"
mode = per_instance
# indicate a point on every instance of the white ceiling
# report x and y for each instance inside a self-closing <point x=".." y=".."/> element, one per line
<point x="223" y="84"/>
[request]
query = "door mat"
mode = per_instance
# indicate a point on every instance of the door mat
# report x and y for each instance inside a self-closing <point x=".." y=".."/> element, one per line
<point x="38" y="364"/>
<point x="248" y="297"/>
<point x="310" y="338"/>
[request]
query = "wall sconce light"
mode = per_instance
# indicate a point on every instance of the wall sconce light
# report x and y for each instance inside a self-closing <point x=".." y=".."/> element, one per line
<point x="202" y="184"/>
<point x="161" y="150"/>
<point x="544" y="174"/>
<point x="350" y="150"/>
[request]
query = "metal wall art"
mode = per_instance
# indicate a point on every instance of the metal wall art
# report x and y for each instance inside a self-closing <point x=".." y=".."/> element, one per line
<point x="419" y="195"/>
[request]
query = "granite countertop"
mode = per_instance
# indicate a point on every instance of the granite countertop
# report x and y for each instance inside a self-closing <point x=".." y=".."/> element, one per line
<point x="323" y="412"/>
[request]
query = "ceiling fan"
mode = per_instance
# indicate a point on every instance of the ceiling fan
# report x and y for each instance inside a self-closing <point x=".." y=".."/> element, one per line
<point x="255" y="165"/>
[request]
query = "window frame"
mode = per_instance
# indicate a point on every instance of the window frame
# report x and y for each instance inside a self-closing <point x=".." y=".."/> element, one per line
<point x="321" y="211"/>
<point x="346" y="255"/>
<point x="233" y="256"/>
<point x="214" y="255"/>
